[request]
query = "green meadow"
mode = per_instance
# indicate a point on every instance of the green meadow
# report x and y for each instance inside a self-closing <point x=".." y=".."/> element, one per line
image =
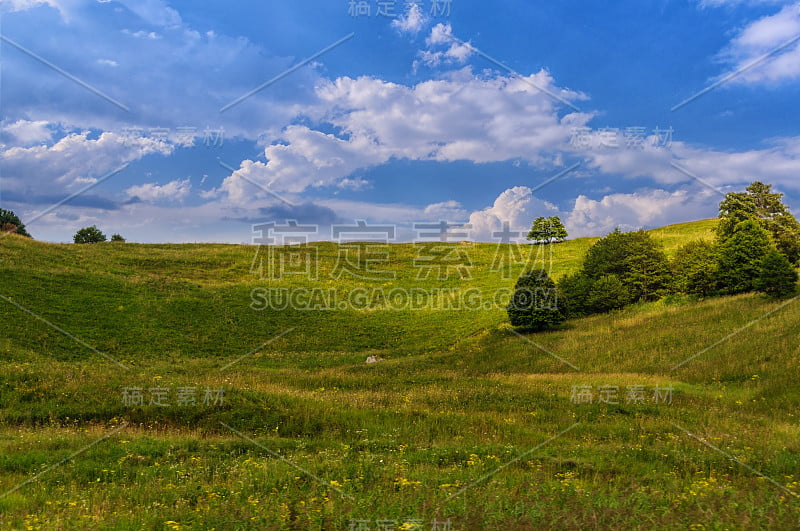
<point x="146" y="387"/>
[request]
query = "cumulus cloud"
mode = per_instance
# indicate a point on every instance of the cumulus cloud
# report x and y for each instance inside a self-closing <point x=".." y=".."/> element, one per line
<point x="455" y="53"/>
<point x="72" y="162"/>
<point x="150" y="192"/>
<point x="516" y="206"/>
<point x="440" y="34"/>
<point x="307" y="158"/>
<point x="412" y="21"/>
<point x="25" y="132"/>
<point x="460" y="118"/>
<point x="646" y="209"/>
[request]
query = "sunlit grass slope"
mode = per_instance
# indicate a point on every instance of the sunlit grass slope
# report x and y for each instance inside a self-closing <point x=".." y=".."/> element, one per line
<point x="464" y="420"/>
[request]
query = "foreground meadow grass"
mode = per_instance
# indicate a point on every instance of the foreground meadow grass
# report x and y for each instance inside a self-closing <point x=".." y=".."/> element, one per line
<point x="464" y="425"/>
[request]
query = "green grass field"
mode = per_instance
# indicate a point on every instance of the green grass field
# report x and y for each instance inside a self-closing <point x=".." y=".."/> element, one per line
<point x="694" y="420"/>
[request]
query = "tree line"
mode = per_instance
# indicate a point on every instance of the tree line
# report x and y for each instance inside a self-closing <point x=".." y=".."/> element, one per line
<point x="10" y="222"/>
<point x="756" y="249"/>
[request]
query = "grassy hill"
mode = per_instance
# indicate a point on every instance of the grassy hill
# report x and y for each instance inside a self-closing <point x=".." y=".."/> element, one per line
<point x="464" y="420"/>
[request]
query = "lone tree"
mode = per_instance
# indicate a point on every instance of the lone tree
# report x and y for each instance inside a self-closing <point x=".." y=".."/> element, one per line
<point x="547" y="230"/>
<point x="117" y="238"/>
<point x="89" y="235"/>
<point x="766" y="207"/>
<point x="9" y="222"/>
<point x="777" y="278"/>
<point x="535" y="303"/>
<point x="740" y="256"/>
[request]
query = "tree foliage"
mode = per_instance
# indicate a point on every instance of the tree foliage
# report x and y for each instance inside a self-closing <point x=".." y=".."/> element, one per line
<point x="740" y="256"/>
<point x="608" y="293"/>
<point x="535" y="304"/>
<point x="694" y="267"/>
<point x="89" y="235"/>
<point x="583" y="295"/>
<point x="635" y="259"/>
<point x="761" y="204"/>
<point x="547" y="230"/>
<point x="117" y="238"/>
<point x="575" y="289"/>
<point x="9" y="222"/>
<point x="777" y="277"/>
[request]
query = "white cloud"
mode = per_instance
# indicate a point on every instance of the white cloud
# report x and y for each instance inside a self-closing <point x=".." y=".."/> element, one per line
<point x="456" y="52"/>
<point x="356" y="184"/>
<point x="516" y="206"/>
<point x="72" y="161"/>
<point x="141" y="34"/>
<point x="461" y="118"/>
<point x="649" y="208"/>
<point x="23" y="5"/>
<point x="778" y="164"/>
<point x="447" y="210"/>
<point x="440" y="34"/>
<point x="308" y="158"/>
<point x="412" y="21"/>
<point x="26" y="132"/>
<point x="155" y="12"/>
<point x="68" y="10"/>
<point x="589" y="217"/>
<point x="763" y="36"/>
<point x="150" y="192"/>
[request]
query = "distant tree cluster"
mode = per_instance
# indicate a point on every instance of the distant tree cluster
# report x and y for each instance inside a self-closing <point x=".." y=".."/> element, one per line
<point x="89" y="235"/>
<point x="9" y="222"/>
<point x="94" y="235"/>
<point x="621" y="268"/>
<point x="757" y="248"/>
<point x="760" y="204"/>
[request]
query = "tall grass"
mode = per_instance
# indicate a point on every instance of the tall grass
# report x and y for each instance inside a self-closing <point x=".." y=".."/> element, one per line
<point x="460" y="422"/>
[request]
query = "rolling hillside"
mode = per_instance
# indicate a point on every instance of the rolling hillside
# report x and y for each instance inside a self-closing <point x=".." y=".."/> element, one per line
<point x="694" y="418"/>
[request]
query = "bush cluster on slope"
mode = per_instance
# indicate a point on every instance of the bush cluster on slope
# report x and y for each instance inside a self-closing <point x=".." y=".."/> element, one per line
<point x="756" y="248"/>
<point x="9" y="222"/>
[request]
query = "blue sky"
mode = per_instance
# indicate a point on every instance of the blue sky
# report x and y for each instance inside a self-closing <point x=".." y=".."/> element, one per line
<point x="468" y="112"/>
